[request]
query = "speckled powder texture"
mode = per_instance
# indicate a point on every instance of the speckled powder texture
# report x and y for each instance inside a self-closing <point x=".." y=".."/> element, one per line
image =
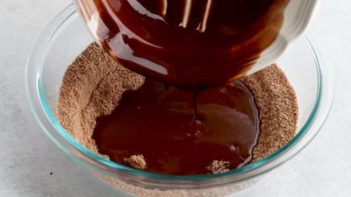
<point x="278" y="110"/>
<point x="92" y="87"/>
<point x="94" y="83"/>
<point x="136" y="161"/>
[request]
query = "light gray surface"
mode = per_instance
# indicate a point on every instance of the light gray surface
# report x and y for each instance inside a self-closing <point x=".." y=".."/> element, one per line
<point x="27" y="156"/>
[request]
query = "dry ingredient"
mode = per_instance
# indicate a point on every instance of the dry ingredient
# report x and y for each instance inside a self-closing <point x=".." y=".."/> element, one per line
<point x="218" y="166"/>
<point x="136" y="161"/>
<point x="94" y="83"/>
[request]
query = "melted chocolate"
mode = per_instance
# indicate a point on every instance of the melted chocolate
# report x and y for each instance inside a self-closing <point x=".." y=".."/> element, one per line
<point x="189" y="43"/>
<point x="158" y="122"/>
<point x="196" y="44"/>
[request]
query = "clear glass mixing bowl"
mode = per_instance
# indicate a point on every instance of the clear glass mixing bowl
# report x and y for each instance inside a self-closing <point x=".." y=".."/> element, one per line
<point x="66" y="37"/>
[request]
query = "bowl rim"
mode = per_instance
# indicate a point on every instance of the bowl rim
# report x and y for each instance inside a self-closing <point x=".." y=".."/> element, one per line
<point x="38" y="55"/>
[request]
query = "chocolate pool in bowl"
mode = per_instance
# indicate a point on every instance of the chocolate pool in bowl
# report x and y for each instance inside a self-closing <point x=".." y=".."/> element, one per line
<point x="94" y="85"/>
<point x="66" y="37"/>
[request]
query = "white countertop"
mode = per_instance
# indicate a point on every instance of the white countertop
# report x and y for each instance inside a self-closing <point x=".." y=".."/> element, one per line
<point x="27" y="156"/>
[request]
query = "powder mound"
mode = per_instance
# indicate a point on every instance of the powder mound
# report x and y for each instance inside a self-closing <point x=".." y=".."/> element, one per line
<point x="92" y="86"/>
<point x="218" y="166"/>
<point x="278" y="111"/>
<point x="94" y="83"/>
<point x="136" y="161"/>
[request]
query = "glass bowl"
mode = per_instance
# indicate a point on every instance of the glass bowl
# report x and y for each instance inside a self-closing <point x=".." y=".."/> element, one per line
<point x="67" y="36"/>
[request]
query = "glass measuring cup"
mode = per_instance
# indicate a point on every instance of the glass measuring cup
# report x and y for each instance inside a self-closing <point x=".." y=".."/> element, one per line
<point x="200" y="47"/>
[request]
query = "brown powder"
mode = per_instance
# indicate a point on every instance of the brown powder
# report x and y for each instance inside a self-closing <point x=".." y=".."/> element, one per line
<point x="218" y="166"/>
<point x="278" y="111"/>
<point x="92" y="87"/>
<point x="94" y="83"/>
<point x="136" y="161"/>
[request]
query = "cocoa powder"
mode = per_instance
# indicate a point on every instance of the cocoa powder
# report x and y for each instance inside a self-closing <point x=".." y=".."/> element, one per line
<point x="94" y="83"/>
<point x="136" y="161"/>
<point x="92" y="87"/>
<point x="278" y="110"/>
